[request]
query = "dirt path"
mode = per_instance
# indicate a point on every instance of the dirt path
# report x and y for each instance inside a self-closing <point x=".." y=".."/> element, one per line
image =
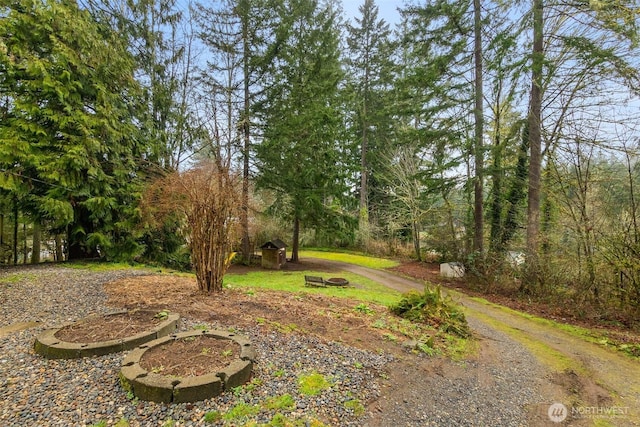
<point x="599" y="385"/>
<point x="608" y="379"/>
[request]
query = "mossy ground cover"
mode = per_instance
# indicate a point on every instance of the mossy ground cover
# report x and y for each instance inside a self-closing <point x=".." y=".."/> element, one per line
<point x="601" y="337"/>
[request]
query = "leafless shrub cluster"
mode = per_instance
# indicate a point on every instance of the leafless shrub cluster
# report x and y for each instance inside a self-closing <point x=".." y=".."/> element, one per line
<point x="207" y="198"/>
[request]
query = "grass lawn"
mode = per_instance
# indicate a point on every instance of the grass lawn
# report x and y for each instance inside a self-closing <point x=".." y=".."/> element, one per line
<point x="362" y="260"/>
<point x="360" y="288"/>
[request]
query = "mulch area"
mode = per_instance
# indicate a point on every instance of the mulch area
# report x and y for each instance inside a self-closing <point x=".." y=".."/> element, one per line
<point x="109" y="327"/>
<point x="191" y="356"/>
<point x="327" y="318"/>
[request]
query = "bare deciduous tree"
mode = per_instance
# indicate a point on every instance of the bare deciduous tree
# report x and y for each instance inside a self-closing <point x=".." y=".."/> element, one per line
<point x="403" y="185"/>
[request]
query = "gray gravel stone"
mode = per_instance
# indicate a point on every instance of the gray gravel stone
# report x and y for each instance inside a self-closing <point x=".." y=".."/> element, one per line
<point x="38" y="392"/>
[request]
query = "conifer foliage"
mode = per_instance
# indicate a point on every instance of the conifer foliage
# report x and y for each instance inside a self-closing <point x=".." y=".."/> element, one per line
<point x="300" y="154"/>
<point x="68" y="143"/>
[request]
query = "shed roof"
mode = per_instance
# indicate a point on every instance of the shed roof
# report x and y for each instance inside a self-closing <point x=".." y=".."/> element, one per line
<point x="274" y="244"/>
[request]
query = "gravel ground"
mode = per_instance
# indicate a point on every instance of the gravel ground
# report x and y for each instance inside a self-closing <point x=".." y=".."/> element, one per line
<point x="39" y="392"/>
<point x="85" y="392"/>
<point x="499" y="388"/>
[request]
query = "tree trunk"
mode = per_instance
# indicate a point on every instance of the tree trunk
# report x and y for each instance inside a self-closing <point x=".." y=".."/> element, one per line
<point x="296" y="240"/>
<point x="451" y="226"/>
<point x="497" y="197"/>
<point x="244" y="212"/>
<point x="77" y="247"/>
<point x="535" y="143"/>
<point x="478" y="214"/>
<point x="35" y="255"/>
<point x="416" y="240"/>
<point x="15" y="231"/>
<point x="59" y="255"/>
<point x="25" y="249"/>
<point x="79" y="251"/>
<point x="516" y="193"/>
<point x="363" y="220"/>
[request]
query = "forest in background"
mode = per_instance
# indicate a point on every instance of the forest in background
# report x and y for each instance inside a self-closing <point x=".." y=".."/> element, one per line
<point x="468" y="131"/>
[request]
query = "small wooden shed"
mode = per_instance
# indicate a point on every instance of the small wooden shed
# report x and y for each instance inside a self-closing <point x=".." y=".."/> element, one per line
<point x="274" y="254"/>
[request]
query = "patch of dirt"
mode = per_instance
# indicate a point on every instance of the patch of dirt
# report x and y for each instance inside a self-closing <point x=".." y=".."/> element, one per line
<point x="581" y="389"/>
<point x="328" y="318"/>
<point x="423" y="271"/>
<point x="190" y="357"/>
<point x="109" y="327"/>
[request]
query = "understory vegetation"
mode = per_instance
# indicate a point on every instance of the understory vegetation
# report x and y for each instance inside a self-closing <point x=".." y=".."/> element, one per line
<point x="433" y="308"/>
<point x="500" y="135"/>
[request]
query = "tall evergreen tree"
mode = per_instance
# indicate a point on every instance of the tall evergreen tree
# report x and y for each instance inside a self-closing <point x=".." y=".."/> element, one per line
<point x="505" y="63"/>
<point x="369" y="62"/>
<point x="235" y="33"/>
<point x="433" y="95"/>
<point x="535" y="140"/>
<point x="299" y="156"/>
<point x="478" y="149"/>
<point x="69" y="146"/>
<point x="161" y="40"/>
<point x="162" y="49"/>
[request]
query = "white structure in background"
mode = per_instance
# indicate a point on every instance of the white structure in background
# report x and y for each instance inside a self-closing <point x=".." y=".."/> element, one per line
<point x="515" y="258"/>
<point x="452" y="269"/>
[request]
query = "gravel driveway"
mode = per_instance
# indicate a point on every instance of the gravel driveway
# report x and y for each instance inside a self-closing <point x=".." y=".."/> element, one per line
<point x="501" y="386"/>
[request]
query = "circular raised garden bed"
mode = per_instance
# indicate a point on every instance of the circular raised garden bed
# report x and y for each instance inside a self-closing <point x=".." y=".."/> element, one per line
<point x="103" y="334"/>
<point x="336" y="281"/>
<point x="188" y="366"/>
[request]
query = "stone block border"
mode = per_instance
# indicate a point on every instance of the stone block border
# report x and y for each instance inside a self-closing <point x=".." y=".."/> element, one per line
<point x="154" y="387"/>
<point x="51" y="347"/>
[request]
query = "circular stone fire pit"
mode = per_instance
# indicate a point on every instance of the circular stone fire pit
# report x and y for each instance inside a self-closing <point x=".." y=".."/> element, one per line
<point x="336" y="281"/>
<point x="50" y="345"/>
<point x="157" y="387"/>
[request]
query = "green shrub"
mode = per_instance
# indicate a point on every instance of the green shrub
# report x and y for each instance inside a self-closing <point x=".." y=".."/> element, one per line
<point x="356" y="406"/>
<point x="431" y="307"/>
<point x="363" y="308"/>
<point x="212" y="417"/>
<point x="279" y="420"/>
<point x="241" y="411"/>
